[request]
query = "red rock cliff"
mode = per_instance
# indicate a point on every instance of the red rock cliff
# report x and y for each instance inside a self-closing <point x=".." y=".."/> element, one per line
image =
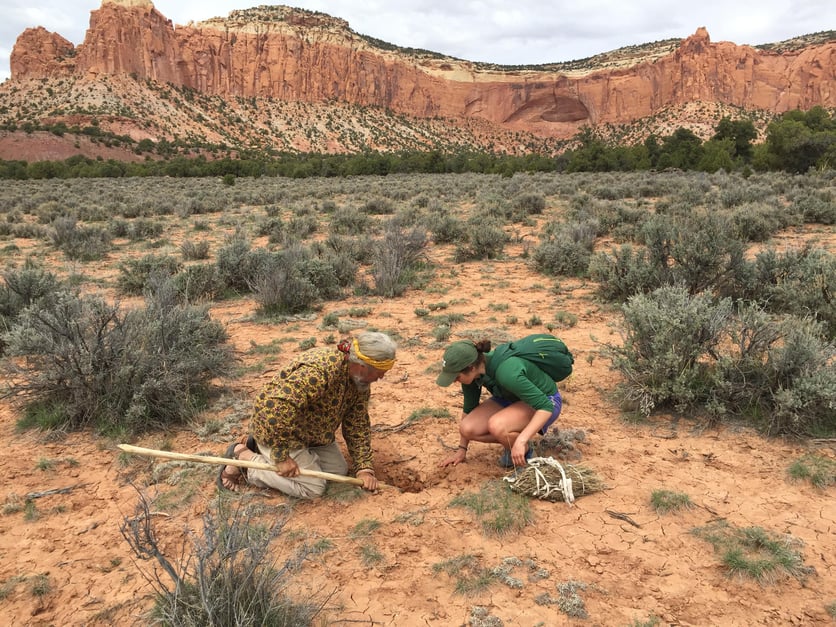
<point x="278" y="52"/>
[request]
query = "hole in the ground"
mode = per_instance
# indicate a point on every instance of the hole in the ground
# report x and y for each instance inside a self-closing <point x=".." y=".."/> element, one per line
<point x="405" y="479"/>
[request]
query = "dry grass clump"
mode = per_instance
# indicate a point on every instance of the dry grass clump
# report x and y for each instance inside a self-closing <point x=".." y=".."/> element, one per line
<point x="545" y="477"/>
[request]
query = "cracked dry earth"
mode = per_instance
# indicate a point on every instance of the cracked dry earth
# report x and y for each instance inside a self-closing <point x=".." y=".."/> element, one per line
<point x="634" y="567"/>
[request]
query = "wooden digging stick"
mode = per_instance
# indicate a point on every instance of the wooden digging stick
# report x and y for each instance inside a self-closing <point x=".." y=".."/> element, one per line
<point x="241" y="463"/>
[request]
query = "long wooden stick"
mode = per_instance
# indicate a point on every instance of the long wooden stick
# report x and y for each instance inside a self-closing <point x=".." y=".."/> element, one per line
<point x="241" y="463"/>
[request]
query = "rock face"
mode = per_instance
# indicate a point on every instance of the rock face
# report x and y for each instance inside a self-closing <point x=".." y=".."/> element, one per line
<point x="295" y="55"/>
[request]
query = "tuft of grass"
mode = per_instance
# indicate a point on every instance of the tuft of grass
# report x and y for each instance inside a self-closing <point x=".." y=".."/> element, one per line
<point x="441" y="333"/>
<point x="274" y="347"/>
<point x="307" y="344"/>
<point x="499" y="510"/>
<point x="650" y="621"/>
<point x="664" y="501"/>
<point x="30" y="511"/>
<point x="40" y="585"/>
<point x="754" y="553"/>
<point x="819" y="470"/>
<point x="471" y="577"/>
<point x="412" y="518"/>
<point x="830" y="608"/>
<point x="364" y="528"/>
<point x="45" y="416"/>
<point x="343" y="492"/>
<point x="7" y="587"/>
<point x="322" y="545"/>
<point x="13" y="504"/>
<point x="45" y="464"/>
<point x="186" y="481"/>
<point x="370" y="555"/>
<point x="563" y="320"/>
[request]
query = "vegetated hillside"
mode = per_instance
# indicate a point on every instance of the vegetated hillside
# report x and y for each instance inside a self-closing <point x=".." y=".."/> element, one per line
<point x="134" y="111"/>
<point x="433" y="549"/>
<point x="299" y="80"/>
<point x="122" y="119"/>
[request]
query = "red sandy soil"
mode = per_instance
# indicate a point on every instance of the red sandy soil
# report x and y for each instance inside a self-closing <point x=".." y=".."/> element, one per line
<point x="655" y="567"/>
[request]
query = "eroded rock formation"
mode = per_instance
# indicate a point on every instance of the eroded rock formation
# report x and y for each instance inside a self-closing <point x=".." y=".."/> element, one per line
<point x="290" y="54"/>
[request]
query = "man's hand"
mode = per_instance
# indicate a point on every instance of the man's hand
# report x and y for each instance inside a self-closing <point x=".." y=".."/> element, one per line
<point x="287" y="468"/>
<point x="369" y="480"/>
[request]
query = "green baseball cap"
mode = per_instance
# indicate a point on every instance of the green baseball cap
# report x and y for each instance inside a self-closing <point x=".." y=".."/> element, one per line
<point x="457" y="357"/>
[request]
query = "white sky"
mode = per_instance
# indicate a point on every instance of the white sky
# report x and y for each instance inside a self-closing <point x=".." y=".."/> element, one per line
<point x="497" y="31"/>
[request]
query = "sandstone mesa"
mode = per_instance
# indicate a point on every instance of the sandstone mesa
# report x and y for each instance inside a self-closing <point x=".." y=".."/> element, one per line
<point x="278" y="52"/>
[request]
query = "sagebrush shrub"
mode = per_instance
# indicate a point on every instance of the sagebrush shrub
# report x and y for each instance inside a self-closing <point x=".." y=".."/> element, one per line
<point x="699" y="252"/>
<point x="135" y="273"/>
<point x="294" y="280"/>
<point x="378" y="206"/>
<point x="623" y="272"/>
<point x="530" y="204"/>
<point x="667" y="335"/>
<point x="239" y="266"/>
<point x="446" y="228"/>
<point x="199" y="282"/>
<point x="757" y="222"/>
<point x="192" y="250"/>
<point x="23" y="287"/>
<point x="301" y="227"/>
<point x="397" y="256"/>
<point x="142" y="228"/>
<point x="818" y="207"/>
<point x="701" y="354"/>
<point x="565" y="249"/>
<point x="350" y="221"/>
<point x="344" y="255"/>
<point x="82" y="243"/>
<point x="705" y="253"/>
<point x="485" y="239"/>
<point x="228" y="575"/>
<point x="122" y="371"/>
<point x="800" y="282"/>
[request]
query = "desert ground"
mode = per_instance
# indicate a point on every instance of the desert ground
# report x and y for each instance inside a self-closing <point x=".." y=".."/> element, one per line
<point x="64" y="561"/>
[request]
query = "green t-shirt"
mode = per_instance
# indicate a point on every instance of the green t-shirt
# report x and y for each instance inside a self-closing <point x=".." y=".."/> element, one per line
<point x="515" y="380"/>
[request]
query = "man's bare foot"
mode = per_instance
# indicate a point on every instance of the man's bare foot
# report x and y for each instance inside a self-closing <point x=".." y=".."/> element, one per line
<point x="232" y="477"/>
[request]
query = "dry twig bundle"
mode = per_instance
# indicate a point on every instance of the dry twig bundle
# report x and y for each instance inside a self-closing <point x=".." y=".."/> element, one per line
<point x="546" y="479"/>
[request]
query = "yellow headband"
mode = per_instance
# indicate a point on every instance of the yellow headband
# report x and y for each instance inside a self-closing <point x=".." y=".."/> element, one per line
<point x="374" y="363"/>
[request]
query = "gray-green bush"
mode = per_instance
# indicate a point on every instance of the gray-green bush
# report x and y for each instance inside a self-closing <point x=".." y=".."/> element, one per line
<point x="23" y="287"/>
<point x="485" y="239"/>
<point x="121" y="371"/>
<point x="78" y="242"/>
<point x="565" y="249"/>
<point x="700" y="354"/>
<point x="294" y="280"/>
<point x="135" y="273"/>
<point x="228" y="576"/>
<point x="699" y="252"/>
<point x="239" y="266"/>
<point x="396" y="258"/>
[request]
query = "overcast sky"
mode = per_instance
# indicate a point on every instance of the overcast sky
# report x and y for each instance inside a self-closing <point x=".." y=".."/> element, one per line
<point x="508" y="32"/>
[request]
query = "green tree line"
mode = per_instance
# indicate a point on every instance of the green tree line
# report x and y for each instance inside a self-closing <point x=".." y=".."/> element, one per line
<point x="795" y="142"/>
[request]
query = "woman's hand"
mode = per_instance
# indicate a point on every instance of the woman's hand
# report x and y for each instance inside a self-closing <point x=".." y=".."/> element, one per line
<point x="456" y="458"/>
<point x="518" y="452"/>
<point x="369" y="479"/>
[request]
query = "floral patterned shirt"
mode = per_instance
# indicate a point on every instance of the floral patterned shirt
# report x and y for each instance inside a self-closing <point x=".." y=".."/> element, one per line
<point x="305" y="403"/>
